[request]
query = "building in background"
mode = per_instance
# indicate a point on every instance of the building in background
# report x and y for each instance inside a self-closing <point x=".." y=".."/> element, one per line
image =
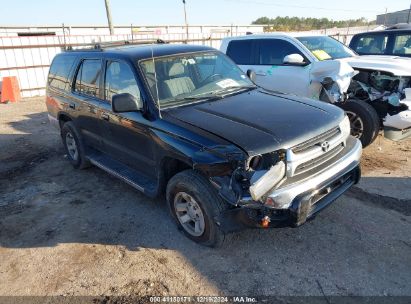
<point x="393" y="18"/>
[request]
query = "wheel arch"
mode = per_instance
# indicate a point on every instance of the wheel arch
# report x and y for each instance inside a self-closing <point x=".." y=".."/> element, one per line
<point x="63" y="118"/>
<point x="170" y="166"/>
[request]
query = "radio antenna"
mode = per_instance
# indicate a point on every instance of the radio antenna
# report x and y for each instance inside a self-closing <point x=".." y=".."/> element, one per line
<point x="155" y="78"/>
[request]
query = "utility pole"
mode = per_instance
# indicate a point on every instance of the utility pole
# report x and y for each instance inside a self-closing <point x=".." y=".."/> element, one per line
<point x="409" y="12"/>
<point x="185" y="19"/>
<point x="108" y="11"/>
<point x="385" y="16"/>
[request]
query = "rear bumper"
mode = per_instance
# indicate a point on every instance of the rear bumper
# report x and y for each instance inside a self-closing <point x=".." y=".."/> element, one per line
<point x="300" y="199"/>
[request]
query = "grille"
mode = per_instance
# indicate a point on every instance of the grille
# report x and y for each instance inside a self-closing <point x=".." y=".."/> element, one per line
<point x="315" y="162"/>
<point x="307" y="145"/>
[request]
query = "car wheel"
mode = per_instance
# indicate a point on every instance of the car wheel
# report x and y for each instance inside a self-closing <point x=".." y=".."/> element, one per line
<point x="365" y="123"/>
<point x="74" y="146"/>
<point x="194" y="204"/>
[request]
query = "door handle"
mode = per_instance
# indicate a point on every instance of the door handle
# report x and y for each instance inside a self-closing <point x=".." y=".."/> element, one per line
<point x="105" y="116"/>
<point x="261" y="73"/>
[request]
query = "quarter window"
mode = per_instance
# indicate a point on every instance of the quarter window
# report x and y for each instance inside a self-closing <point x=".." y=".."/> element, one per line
<point x="59" y="71"/>
<point x="88" y="78"/>
<point x="402" y="44"/>
<point x="120" y="79"/>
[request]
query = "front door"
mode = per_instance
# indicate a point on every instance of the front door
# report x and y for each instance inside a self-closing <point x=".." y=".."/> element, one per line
<point x="273" y="74"/>
<point x="127" y="134"/>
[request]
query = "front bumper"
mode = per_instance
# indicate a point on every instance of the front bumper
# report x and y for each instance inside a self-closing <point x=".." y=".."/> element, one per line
<point x="398" y="127"/>
<point x="300" y="197"/>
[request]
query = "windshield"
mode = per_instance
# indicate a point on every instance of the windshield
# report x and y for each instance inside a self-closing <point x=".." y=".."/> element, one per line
<point x="326" y="48"/>
<point x="184" y="78"/>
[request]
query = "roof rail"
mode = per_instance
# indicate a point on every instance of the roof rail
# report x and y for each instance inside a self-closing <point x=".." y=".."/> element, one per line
<point x="102" y="45"/>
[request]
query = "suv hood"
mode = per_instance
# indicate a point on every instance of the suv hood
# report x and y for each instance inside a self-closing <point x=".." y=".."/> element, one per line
<point x="259" y="121"/>
<point x="398" y="66"/>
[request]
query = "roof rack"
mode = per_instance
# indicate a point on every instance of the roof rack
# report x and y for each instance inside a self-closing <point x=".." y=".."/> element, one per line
<point x="102" y="45"/>
<point x="399" y="26"/>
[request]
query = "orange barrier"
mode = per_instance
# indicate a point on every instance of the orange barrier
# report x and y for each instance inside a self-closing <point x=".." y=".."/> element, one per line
<point x="10" y="90"/>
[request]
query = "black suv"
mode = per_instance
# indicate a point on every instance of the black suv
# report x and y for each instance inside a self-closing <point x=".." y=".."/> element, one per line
<point x="185" y="121"/>
<point x="394" y="42"/>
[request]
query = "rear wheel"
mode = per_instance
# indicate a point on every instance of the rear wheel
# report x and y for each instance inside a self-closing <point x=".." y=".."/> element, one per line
<point x="365" y="123"/>
<point x="194" y="204"/>
<point x="74" y="146"/>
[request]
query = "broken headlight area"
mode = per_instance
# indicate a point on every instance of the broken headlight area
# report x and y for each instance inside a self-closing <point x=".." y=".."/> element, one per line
<point x="345" y="127"/>
<point x="255" y="178"/>
<point x="331" y="91"/>
<point x="386" y="93"/>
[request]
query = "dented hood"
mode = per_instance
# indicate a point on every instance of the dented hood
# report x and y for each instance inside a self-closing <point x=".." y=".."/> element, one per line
<point x="259" y="121"/>
<point x="398" y="66"/>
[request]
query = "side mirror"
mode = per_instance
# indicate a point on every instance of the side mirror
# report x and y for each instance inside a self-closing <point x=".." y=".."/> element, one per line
<point x="125" y="102"/>
<point x="251" y="75"/>
<point x="294" y="59"/>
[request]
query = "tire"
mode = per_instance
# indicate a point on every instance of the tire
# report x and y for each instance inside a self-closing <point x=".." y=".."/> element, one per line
<point x="197" y="187"/>
<point x="362" y="116"/>
<point x="73" y="141"/>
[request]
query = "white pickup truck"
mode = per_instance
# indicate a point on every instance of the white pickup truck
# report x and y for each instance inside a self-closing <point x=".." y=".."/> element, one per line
<point x="373" y="90"/>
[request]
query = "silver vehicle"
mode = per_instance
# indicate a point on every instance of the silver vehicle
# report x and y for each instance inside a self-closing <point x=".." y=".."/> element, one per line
<point x="373" y="90"/>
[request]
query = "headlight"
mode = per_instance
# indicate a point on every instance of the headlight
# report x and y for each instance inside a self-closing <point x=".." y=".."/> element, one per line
<point x="264" y="181"/>
<point x="345" y="126"/>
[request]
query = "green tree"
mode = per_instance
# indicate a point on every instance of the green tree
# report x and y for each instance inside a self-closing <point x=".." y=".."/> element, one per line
<point x="305" y="24"/>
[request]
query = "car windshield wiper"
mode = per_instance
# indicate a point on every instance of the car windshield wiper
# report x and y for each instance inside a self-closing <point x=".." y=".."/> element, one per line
<point x="209" y="95"/>
<point x="220" y="92"/>
<point x="233" y="89"/>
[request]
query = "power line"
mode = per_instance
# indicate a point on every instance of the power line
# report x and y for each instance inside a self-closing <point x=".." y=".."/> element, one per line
<point x="300" y="6"/>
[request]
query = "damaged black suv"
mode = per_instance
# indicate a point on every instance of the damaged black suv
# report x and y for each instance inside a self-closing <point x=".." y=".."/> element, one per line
<point x="185" y="121"/>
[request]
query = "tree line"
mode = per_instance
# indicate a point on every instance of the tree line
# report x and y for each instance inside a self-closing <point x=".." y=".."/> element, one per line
<point x="305" y="24"/>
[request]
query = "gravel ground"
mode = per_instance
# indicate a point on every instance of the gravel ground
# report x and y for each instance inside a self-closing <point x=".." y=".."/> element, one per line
<point x="70" y="232"/>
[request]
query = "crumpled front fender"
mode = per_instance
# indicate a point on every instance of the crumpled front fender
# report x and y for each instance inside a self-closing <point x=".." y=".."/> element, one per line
<point x="339" y="71"/>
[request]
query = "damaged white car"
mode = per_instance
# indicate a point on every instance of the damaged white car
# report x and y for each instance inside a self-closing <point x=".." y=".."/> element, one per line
<point x="375" y="91"/>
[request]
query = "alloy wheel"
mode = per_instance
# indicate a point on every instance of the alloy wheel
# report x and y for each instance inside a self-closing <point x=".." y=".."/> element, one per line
<point x="189" y="214"/>
<point x="357" y="125"/>
<point x="71" y="146"/>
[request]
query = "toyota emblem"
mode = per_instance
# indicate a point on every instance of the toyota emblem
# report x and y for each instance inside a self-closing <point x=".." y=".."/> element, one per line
<point x="325" y="146"/>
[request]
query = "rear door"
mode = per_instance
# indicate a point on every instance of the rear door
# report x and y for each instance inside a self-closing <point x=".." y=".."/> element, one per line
<point x="127" y="134"/>
<point x="86" y="96"/>
<point x="242" y="53"/>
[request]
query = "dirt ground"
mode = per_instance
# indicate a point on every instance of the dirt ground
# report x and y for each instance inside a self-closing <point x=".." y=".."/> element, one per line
<point x="70" y="232"/>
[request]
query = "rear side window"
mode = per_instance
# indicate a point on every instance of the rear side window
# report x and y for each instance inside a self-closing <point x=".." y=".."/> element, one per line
<point x="372" y="44"/>
<point x="402" y="44"/>
<point x="240" y="51"/>
<point x="60" y="71"/>
<point x="273" y="51"/>
<point x="120" y="79"/>
<point x="88" y="78"/>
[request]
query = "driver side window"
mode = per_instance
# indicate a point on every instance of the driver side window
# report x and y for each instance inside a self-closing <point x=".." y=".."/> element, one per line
<point x="273" y="51"/>
<point x="120" y="79"/>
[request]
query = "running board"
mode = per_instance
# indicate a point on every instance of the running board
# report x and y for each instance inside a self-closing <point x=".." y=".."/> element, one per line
<point x="124" y="172"/>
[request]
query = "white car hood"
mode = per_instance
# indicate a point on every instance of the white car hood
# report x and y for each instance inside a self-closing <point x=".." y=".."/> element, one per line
<point x="398" y="66"/>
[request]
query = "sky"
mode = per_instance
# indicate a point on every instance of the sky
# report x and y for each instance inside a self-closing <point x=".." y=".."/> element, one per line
<point x="163" y="12"/>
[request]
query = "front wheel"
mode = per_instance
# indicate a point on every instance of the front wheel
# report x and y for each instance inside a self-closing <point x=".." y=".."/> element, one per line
<point x="194" y="205"/>
<point x="364" y="120"/>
